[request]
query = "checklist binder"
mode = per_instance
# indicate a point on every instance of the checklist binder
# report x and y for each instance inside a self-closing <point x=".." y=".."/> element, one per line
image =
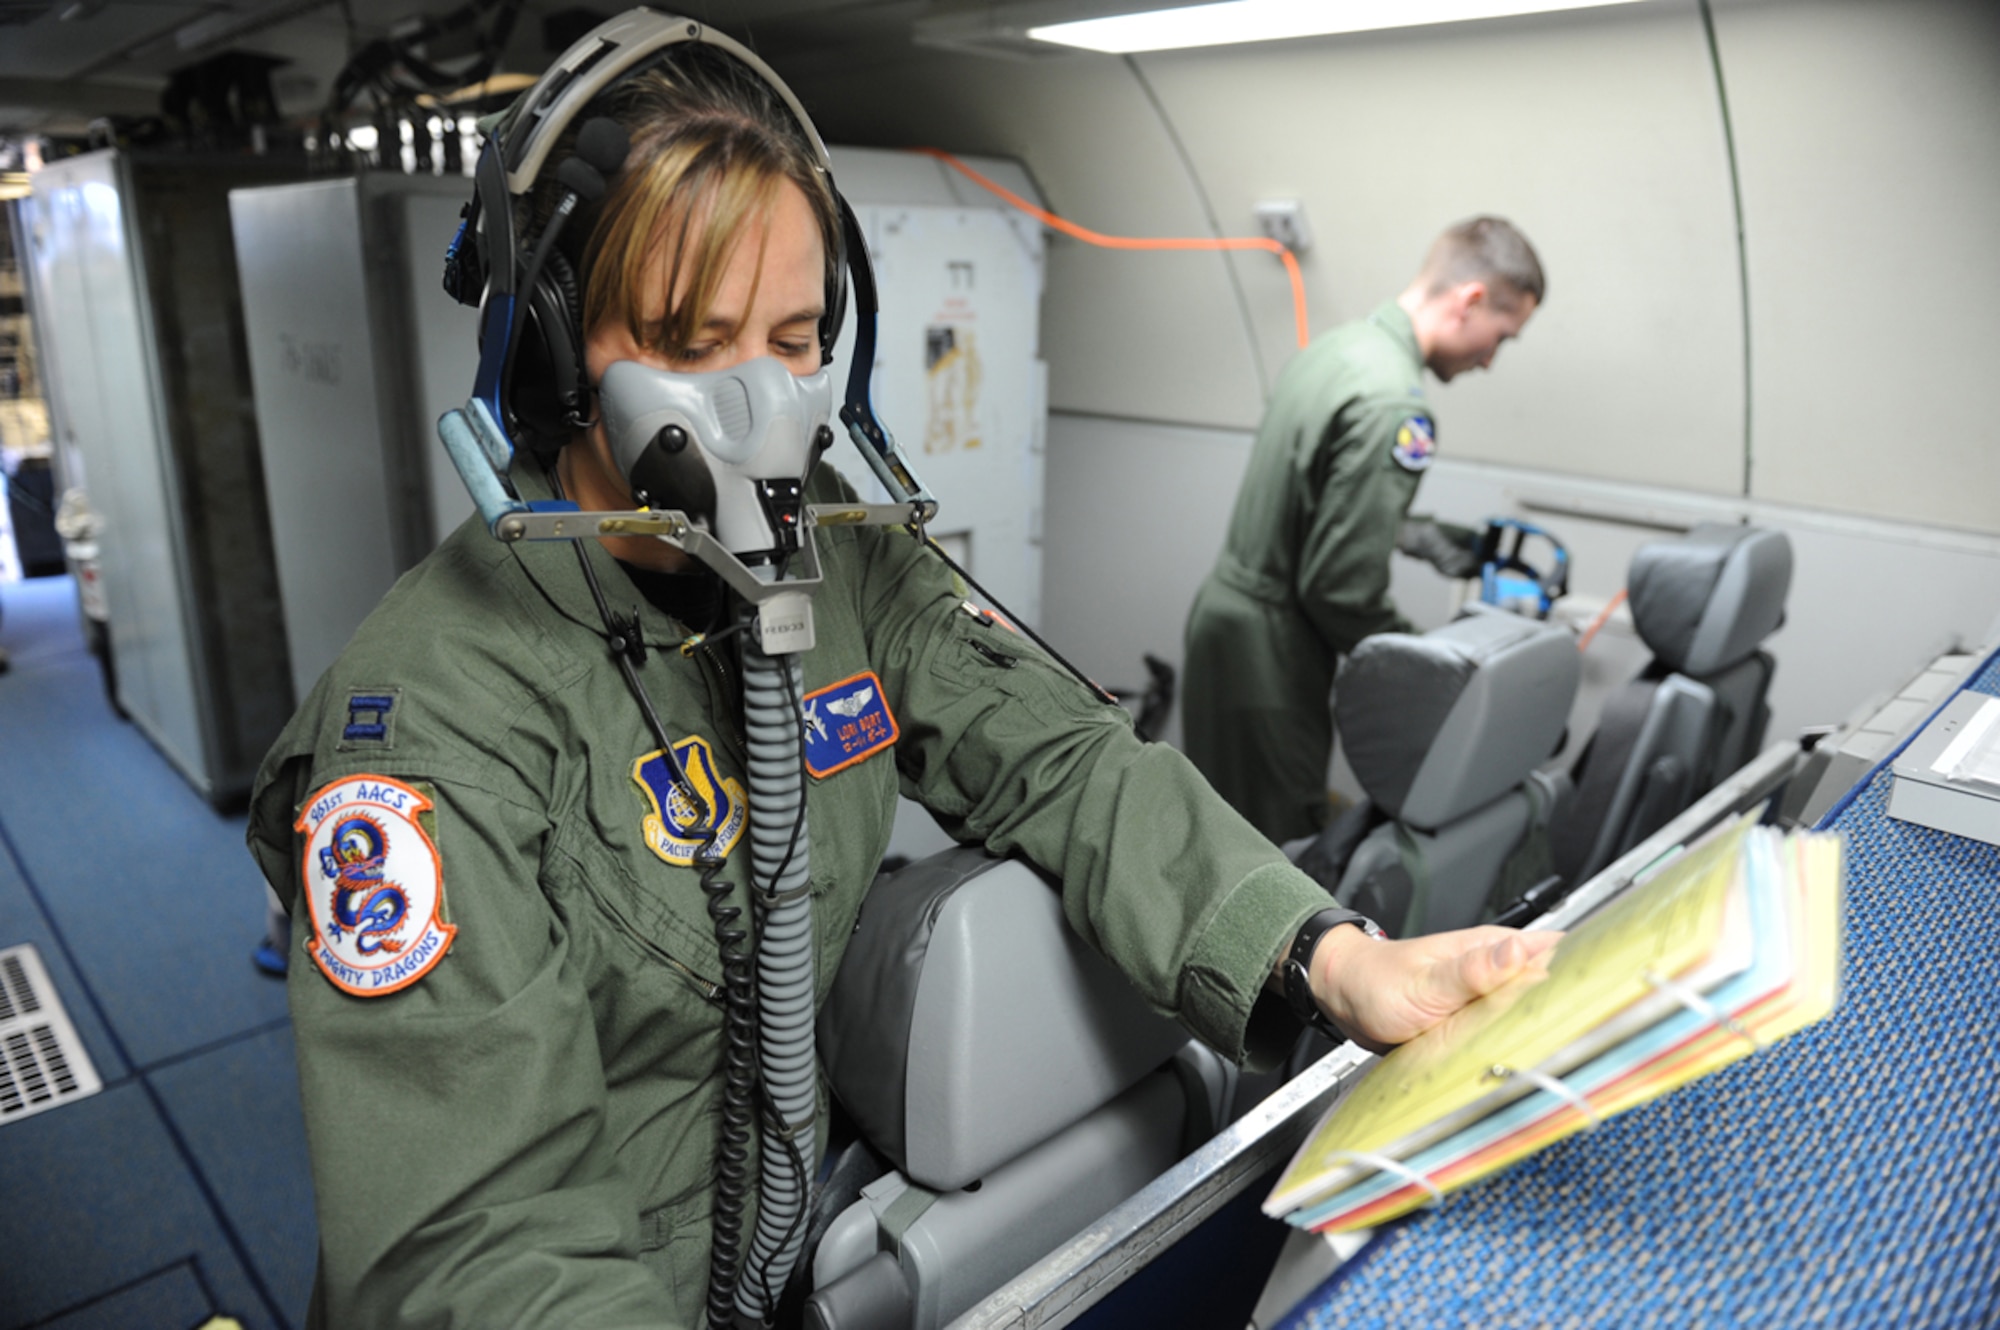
<point x="1740" y="937"/>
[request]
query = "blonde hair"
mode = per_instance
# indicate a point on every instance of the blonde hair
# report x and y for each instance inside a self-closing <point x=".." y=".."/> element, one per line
<point x="712" y="144"/>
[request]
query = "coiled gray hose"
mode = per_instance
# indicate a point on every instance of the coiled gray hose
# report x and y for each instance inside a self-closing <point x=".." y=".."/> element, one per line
<point x="780" y="870"/>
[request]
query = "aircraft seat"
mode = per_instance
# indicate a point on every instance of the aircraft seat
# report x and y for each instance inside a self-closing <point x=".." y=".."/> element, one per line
<point x="1703" y="603"/>
<point x="1444" y="730"/>
<point x="1016" y="1083"/>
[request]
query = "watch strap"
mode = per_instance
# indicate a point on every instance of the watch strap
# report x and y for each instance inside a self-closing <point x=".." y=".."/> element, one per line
<point x="1298" y="975"/>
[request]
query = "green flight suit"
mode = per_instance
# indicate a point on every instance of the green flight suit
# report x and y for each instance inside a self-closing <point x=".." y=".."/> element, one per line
<point x="1304" y="571"/>
<point x="525" y="1134"/>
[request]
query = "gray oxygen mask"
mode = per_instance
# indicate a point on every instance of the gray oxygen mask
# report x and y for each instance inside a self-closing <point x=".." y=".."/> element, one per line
<point x="730" y="448"/>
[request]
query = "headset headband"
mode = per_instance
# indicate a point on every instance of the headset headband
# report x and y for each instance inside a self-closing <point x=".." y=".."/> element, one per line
<point x="601" y="58"/>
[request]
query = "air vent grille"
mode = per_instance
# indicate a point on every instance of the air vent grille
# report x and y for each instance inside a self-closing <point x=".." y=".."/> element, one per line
<point x="43" y="1064"/>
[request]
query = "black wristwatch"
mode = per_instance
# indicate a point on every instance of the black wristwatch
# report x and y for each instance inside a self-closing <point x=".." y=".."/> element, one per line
<point x="1297" y="978"/>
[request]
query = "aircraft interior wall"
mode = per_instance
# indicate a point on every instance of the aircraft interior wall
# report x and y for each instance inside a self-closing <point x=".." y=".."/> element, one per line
<point x="1869" y="137"/>
<point x="1864" y="140"/>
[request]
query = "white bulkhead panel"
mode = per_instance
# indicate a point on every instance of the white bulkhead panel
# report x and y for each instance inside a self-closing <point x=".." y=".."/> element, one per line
<point x="958" y="383"/>
<point x="958" y="379"/>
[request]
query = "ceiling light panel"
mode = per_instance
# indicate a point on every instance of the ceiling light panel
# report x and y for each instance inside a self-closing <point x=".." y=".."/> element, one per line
<point x="1277" y="20"/>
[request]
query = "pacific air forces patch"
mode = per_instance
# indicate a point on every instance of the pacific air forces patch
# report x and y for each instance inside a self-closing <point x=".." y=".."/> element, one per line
<point x="847" y="722"/>
<point x="1416" y="443"/>
<point x="675" y="829"/>
<point x="373" y="886"/>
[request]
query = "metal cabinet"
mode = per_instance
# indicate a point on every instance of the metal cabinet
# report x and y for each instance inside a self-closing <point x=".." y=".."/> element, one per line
<point x="355" y="351"/>
<point x="133" y="282"/>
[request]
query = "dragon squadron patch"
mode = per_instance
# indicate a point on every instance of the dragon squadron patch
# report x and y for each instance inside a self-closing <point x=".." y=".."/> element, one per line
<point x="373" y="886"/>
<point x="675" y="829"/>
<point x="846" y="723"/>
<point x="1416" y="443"/>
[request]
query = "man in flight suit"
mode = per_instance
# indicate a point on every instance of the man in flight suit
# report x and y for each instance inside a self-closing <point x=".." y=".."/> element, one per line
<point x="1304" y="571"/>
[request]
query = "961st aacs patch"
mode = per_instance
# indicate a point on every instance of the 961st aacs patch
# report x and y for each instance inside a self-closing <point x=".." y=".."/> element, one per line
<point x="373" y="886"/>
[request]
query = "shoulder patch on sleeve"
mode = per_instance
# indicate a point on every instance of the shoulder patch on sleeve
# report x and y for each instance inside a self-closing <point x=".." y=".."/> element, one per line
<point x="373" y="886"/>
<point x="1416" y="443"/>
<point x="845" y="723"/>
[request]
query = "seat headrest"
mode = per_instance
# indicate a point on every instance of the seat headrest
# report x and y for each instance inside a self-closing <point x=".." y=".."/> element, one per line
<point x="969" y="1021"/>
<point x="1440" y="724"/>
<point x="1705" y="601"/>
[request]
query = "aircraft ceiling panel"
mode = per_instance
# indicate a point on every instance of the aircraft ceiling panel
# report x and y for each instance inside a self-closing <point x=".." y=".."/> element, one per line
<point x="49" y="48"/>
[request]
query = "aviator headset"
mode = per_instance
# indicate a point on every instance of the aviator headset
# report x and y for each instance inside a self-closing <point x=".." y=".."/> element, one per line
<point x="531" y="375"/>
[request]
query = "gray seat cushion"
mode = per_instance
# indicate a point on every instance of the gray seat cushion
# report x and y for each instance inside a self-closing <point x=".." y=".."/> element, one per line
<point x="1704" y="601"/>
<point x="1440" y="724"/>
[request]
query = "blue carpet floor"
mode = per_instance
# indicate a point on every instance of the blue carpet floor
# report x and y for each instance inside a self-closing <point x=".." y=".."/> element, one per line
<point x="182" y="1190"/>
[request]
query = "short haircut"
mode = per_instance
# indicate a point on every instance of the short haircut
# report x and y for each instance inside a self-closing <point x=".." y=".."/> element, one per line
<point x="1485" y="249"/>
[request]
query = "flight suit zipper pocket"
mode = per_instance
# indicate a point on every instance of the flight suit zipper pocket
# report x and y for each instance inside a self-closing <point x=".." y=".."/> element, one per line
<point x="1000" y="658"/>
<point x="624" y="925"/>
<point x="711" y="991"/>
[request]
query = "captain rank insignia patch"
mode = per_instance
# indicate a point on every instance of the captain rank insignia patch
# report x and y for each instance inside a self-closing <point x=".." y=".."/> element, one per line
<point x="675" y="829"/>
<point x="373" y="886"/>
<point x="846" y="723"/>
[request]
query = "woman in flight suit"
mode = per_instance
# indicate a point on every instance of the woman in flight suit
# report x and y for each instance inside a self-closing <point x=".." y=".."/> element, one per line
<point x="507" y="1016"/>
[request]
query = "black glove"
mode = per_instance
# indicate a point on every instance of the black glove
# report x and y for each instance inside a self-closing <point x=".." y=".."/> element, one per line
<point x="1452" y="550"/>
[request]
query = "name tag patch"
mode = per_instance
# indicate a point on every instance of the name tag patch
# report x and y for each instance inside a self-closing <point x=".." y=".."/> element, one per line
<point x="846" y="723"/>
<point x="1416" y="443"/>
<point x="676" y="829"/>
<point x="373" y="886"/>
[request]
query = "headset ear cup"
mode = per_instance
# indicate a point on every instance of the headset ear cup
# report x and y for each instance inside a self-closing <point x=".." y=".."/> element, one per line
<point x="549" y="392"/>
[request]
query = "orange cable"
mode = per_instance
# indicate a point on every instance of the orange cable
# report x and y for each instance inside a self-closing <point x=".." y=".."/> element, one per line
<point x="1603" y="617"/>
<point x="1090" y="237"/>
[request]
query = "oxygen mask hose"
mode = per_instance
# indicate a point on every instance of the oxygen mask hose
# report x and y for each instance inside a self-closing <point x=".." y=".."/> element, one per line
<point x="781" y="877"/>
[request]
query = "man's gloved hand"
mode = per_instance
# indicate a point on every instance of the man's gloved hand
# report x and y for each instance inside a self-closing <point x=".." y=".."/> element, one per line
<point x="1452" y="550"/>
